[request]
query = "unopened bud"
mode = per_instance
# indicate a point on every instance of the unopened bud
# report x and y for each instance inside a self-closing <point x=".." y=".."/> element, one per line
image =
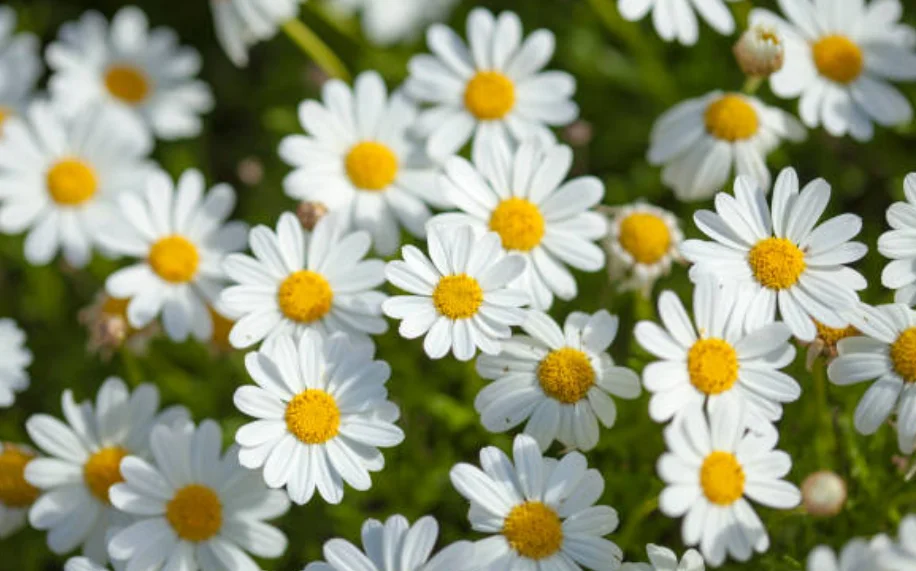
<point x="760" y="51"/>
<point x="579" y="134"/>
<point x="251" y="171"/>
<point x="309" y="213"/>
<point x="824" y="494"/>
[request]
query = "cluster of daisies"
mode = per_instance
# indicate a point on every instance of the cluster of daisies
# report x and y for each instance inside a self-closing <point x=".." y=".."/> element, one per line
<point x="504" y="228"/>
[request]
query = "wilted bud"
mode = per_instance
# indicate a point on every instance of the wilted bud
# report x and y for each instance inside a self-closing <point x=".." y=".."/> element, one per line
<point x="250" y="171"/>
<point x="310" y="213"/>
<point x="760" y="51"/>
<point x="106" y="322"/>
<point x="824" y="494"/>
<point x="578" y="134"/>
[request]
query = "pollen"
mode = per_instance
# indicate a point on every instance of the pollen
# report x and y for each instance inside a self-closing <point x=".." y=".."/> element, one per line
<point x="722" y="478"/>
<point x="777" y="263"/>
<point x="903" y="355"/>
<point x="712" y="365"/>
<point x="533" y="530"/>
<point x="566" y="375"/>
<point x="838" y="58"/>
<point x="458" y="296"/>
<point x="15" y="491"/>
<point x="731" y="118"/>
<point x="174" y="259"/>
<point x="519" y="223"/>
<point x="489" y="95"/>
<point x="305" y="296"/>
<point x="71" y="182"/>
<point x="831" y="335"/>
<point x="195" y="513"/>
<point x="127" y="83"/>
<point x="103" y="470"/>
<point x="312" y="416"/>
<point x="371" y="166"/>
<point x="645" y="237"/>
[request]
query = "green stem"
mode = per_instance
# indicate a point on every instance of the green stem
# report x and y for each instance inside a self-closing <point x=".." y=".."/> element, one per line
<point x="752" y="84"/>
<point x="826" y="443"/>
<point x="315" y="48"/>
<point x="635" y="519"/>
<point x="132" y="373"/>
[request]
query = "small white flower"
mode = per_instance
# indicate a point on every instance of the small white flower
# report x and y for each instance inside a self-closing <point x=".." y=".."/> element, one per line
<point x="539" y="511"/>
<point x="701" y="141"/>
<point x="459" y="296"/>
<point x="16" y="494"/>
<point x="857" y="555"/>
<point x="386" y="23"/>
<point x="899" y="244"/>
<point x="242" y="23"/>
<point x="20" y="62"/>
<point x="675" y="20"/>
<point x="129" y="66"/>
<point x="643" y="242"/>
<point x="179" y="236"/>
<point x="15" y="358"/>
<point x="787" y="259"/>
<point x="196" y="507"/>
<point x="664" y="559"/>
<point x="495" y="88"/>
<point x="760" y="51"/>
<point x="899" y="555"/>
<point x="560" y="380"/>
<point x="709" y="469"/>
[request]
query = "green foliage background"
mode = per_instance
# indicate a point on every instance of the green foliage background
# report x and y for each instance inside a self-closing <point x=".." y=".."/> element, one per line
<point x="626" y="78"/>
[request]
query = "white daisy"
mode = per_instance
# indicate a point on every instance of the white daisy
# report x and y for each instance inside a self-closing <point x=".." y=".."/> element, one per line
<point x="675" y="20"/>
<point x="300" y="280"/>
<point x="494" y="88"/>
<point x="386" y="23"/>
<point x="132" y="67"/>
<point x="664" y="559"/>
<point x="709" y="469"/>
<point x="15" y="358"/>
<point x="540" y="511"/>
<point x="461" y="299"/>
<point x="560" y="380"/>
<point x="840" y="58"/>
<point x="358" y="159"/>
<point x="899" y="555"/>
<point x="196" y="507"/>
<point x="20" y="62"/>
<point x="858" y="554"/>
<point x="242" y="23"/>
<point x="396" y="545"/>
<point x="787" y="259"/>
<point x="899" y="244"/>
<point x="59" y="178"/>
<point x="179" y="236"/>
<point x="642" y="243"/>
<point x="16" y="494"/>
<point x="702" y="140"/>
<point x="711" y="360"/>
<point x="83" y="462"/>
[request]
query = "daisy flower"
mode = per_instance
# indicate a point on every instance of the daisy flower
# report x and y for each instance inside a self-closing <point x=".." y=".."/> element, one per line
<point x="406" y="548"/>
<point x="15" y="358"/>
<point x="131" y="67"/>
<point x="900" y="555"/>
<point x="84" y="455"/>
<point x="560" y="380"/>
<point x="242" y="23"/>
<point x="358" y="159"/>
<point x="840" y="61"/>
<point x="59" y="177"/>
<point x="664" y="559"/>
<point x="699" y="142"/>
<point x="301" y="280"/>
<point x="539" y="511"/>
<point x="494" y="88"/>
<point x="460" y="296"/>
<point x="642" y="244"/>
<point x="16" y="494"/>
<point x="386" y="23"/>
<point x="856" y="554"/>
<point x="179" y="236"/>
<point x="899" y="245"/>
<point x="20" y="60"/>
<point x="675" y="20"/>
<point x="196" y="507"/>
<point x="711" y="470"/>
<point x="789" y="261"/>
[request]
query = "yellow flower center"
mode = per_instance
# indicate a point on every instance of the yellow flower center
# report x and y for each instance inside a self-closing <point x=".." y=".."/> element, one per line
<point x="777" y="263"/>
<point x="174" y="259"/>
<point x="489" y="95"/>
<point x="71" y="182"/>
<point x="221" y="328"/>
<point x="713" y="365"/>
<point x="519" y="223"/>
<point x="722" y="478"/>
<point x="838" y="58"/>
<point x="903" y="355"/>
<point x="731" y="118"/>
<point x="103" y="470"/>
<point x="533" y="530"/>
<point x="195" y="513"/>
<point x="566" y="375"/>
<point x="371" y="166"/>
<point x="830" y="336"/>
<point x="127" y="83"/>
<point x="15" y="492"/>
<point x="645" y="237"/>
<point x="305" y="296"/>
<point x="313" y="417"/>
<point x="458" y="297"/>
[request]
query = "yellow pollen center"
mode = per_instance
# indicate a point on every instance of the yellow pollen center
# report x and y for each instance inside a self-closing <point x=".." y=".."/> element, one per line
<point x="903" y="355"/>
<point x="458" y="297"/>
<point x="174" y="258"/>
<point x="371" y="166"/>
<point x="127" y="83"/>
<point x="313" y="417"/>
<point x="722" y="478"/>
<point x="566" y="375"/>
<point x="533" y="530"/>
<point x="103" y="470"/>
<point x="519" y="223"/>
<point x="221" y="328"/>
<point x="71" y="182"/>
<point x="489" y="95"/>
<point x="645" y="237"/>
<point x="712" y="365"/>
<point x="195" y="513"/>
<point x="15" y="492"/>
<point x="777" y="263"/>
<point x="731" y="118"/>
<point x="305" y="296"/>
<point x="838" y="58"/>
<point x="830" y="336"/>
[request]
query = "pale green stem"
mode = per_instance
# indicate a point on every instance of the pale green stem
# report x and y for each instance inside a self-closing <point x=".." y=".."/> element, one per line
<point x="316" y="49"/>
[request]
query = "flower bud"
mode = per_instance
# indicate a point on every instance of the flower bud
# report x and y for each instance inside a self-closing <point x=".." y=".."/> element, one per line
<point x="760" y="51"/>
<point x="824" y="494"/>
<point x="309" y="213"/>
